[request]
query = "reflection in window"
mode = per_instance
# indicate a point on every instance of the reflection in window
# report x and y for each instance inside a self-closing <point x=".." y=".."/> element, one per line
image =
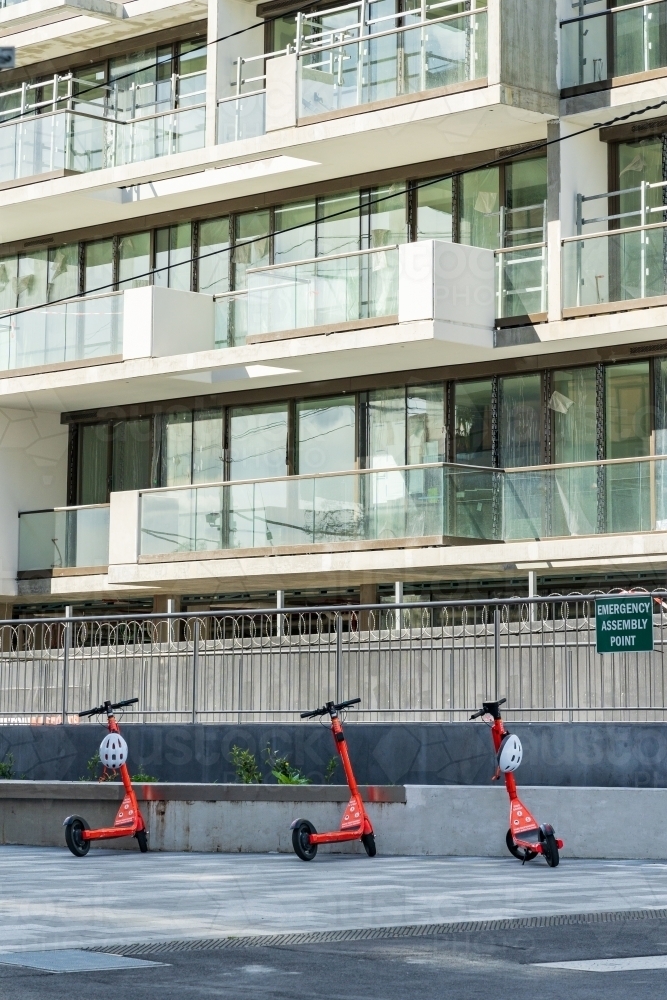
<point x="473" y="442"/>
<point x="134" y="262"/>
<point x="172" y="256"/>
<point x="251" y="244"/>
<point x="213" y="262"/>
<point x="177" y="449"/>
<point x="386" y="428"/>
<point x="98" y="266"/>
<point x="258" y="442"/>
<point x="480" y="208"/>
<point x="434" y="210"/>
<point x="63" y="272"/>
<point x="388" y="215"/>
<point x="290" y="242"/>
<point x="207" y="447"/>
<point x="325" y="435"/>
<point x="525" y="196"/>
<point x="338" y="224"/>
<point x="574" y="408"/>
<point x="520" y="421"/>
<point x="426" y="424"/>
<point x="8" y="282"/>
<point x="32" y="280"/>
<point x="627" y="404"/>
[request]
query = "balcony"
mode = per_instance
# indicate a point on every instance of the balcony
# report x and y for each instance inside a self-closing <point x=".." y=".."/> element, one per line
<point x="137" y="323"/>
<point x="343" y="59"/>
<point x="420" y="502"/>
<point x="609" y="43"/>
<point x="63" y="539"/>
<point x="67" y="134"/>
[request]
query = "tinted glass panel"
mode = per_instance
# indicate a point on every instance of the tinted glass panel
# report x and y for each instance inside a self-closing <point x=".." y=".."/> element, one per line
<point x="98" y="265"/>
<point x="63" y="273"/>
<point x="426" y="424"/>
<point x="386" y="428"/>
<point x="338" y="224"/>
<point x="480" y="208"/>
<point x="214" y="256"/>
<point x="627" y="403"/>
<point x="434" y="211"/>
<point x="177" y="449"/>
<point x="520" y="423"/>
<point x="294" y="243"/>
<point x="135" y="261"/>
<point x="252" y="227"/>
<point x="258" y="442"/>
<point x="208" y="454"/>
<point x="473" y="441"/>
<point x="326" y="435"/>
<point x="93" y="463"/>
<point x="573" y="404"/>
<point x="131" y="464"/>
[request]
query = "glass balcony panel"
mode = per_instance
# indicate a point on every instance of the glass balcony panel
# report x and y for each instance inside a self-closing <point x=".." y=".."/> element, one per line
<point x="242" y="117"/>
<point x="231" y="319"/>
<point x="61" y="332"/>
<point x="322" y="292"/>
<point x="584" y="51"/>
<point x="63" y="539"/>
<point x="615" y="267"/>
<point x="628" y="496"/>
<point x="162" y="135"/>
<point x="521" y="282"/>
<point x="350" y="507"/>
<point x="363" y="70"/>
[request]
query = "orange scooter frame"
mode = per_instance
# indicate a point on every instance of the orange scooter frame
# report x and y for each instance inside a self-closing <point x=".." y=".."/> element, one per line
<point x="526" y="838"/>
<point x="129" y="822"/>
<point x="355" y="824"/>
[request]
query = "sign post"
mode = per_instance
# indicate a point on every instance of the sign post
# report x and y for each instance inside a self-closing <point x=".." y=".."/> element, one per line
<point x="624" y="623"/>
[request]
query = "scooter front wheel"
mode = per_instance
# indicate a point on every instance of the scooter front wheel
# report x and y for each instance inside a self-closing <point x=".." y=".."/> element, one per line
<point x="368" y="840"/>
<point x="73" y="836"/>
<point x="520" y="853"/>
<point x="301" y="840"/>
<point x="142" y="840"/>
<point x="550" y="848"/>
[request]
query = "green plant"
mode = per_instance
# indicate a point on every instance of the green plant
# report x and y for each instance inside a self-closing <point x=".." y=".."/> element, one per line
<point x="330" y="769"/>
<point x="144" y="778"/>
<point x="7" y="766"/>
<point x="246" y="766"/>
<point x="282" y="770"/>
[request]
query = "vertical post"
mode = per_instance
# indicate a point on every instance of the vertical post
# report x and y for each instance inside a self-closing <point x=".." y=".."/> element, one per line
<point x="280" y="603"/>
<point x="642" y="242"/>
<point x="195" y="667"/>
<point x="398" y="599"/>
<point x="67" y="642"/>
<point x="339" y="657"/>
<point x="532" y="591"/>
<point x="171" y="609"/>
<point x="496" y="650"/>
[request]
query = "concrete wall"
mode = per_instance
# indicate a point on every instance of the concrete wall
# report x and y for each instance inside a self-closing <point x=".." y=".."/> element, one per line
<point x="562" y="754"/>
<point x="528" y="45"/>
<point x="33" y="475"/>
<point x="453" y="820"/>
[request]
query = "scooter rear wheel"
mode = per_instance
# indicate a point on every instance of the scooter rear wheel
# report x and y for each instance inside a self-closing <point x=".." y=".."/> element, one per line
<point x="73" y="837"/>
<point x="301" y="840"/>
<point x="368" y="840"/>
<point x="520" y="853"/>
<point x="142" y="840"/>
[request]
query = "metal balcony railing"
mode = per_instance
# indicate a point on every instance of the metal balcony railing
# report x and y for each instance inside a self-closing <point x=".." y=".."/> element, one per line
<point x="611" y="42"/>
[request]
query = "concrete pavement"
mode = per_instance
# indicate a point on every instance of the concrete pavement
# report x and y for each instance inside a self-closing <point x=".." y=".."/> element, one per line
<point x="49" y="899"/>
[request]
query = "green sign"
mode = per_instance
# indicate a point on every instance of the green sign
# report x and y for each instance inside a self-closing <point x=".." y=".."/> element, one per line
<point x="624" y="624"/>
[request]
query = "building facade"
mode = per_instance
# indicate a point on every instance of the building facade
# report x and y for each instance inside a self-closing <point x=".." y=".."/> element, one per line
<point x="331" y="302"/>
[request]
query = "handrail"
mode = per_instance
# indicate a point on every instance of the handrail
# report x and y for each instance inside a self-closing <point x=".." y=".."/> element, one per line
<point x="523" y="246"/>
<point x="583" y="465"/>
<point x="458" y="467"/>
<point x="391" y="31"/>
<point x="59" y="510"/>
<point x="614" y="232"/>
<point x="102" y="117"/>
<point x="86" y="297"/>
<point x="317" y="260"/>
<point x="610" y="10"/>
<point x="239" y="97"/>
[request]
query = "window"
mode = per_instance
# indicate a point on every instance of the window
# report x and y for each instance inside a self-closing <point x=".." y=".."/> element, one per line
<point x="386" y="428"/>
<point x="207" y="447"/>
<point x="8" y="282"/>
<point x="172" y="256"/>
<point x="251" y="244"/>
<point x="258" y="442"/>
<point x="525" y="196"/>
<point x="93" y="478"/>
<point x="338" y="224"/>
<point x="63" y="272"/>
<point x="98" y="266"/>
<point x="325" y="435"/>
<point x="473" y="406"/>
<point x="520" y="420"/>
<point x="435" y="211"/>
<point x="294" y="243"/>
<point x="132" y="452"/>
<point x="192" y="73"/>
<point x="426" y="424"/>
<point x="32" y="278"/>
<point x="134" y="260"/>
<point x="177" y="449"/>
<point x="213" y="262"/>
<point x="573" y="405"/>
<point x="480" y="208"/>
<point x="627" y="418"/>
<point x="388" y="210"/>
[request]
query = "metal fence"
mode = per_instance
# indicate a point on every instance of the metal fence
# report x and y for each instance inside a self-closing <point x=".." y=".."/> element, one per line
<point x="432" y="662"/>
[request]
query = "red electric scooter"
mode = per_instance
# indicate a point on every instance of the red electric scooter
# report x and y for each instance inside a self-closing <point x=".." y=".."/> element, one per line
<point x="355" y="824"/>
<point x="526" y="838"/>
<point x="129" y="822"/>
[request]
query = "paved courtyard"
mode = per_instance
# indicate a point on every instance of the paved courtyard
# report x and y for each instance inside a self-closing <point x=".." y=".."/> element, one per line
<point x="49" y="899"/>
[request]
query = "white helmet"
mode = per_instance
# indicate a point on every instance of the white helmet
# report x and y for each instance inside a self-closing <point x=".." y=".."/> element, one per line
<point x="510" y="754"/>
<point x="113" y="750"/>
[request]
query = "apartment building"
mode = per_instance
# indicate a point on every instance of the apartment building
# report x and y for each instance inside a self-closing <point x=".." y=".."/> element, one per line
<point x="321" y="303"/>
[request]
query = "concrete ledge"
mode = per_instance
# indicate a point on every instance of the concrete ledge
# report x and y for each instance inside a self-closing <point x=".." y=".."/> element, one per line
<point x="458" y="820"/>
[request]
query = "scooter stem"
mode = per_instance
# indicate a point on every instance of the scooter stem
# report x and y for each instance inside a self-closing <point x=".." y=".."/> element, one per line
<point x="341" y="747"/>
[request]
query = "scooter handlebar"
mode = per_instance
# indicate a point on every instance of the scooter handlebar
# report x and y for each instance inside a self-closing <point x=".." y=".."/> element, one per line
<point x="489" y="708"/>
<point x="477" y="715"/>
<point x="103" y="708"/>
<point x="329" y="707"/>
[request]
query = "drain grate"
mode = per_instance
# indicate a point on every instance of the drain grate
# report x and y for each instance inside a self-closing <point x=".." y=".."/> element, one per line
<point x="73" y="960"/>
<point x="287" y="940"/>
